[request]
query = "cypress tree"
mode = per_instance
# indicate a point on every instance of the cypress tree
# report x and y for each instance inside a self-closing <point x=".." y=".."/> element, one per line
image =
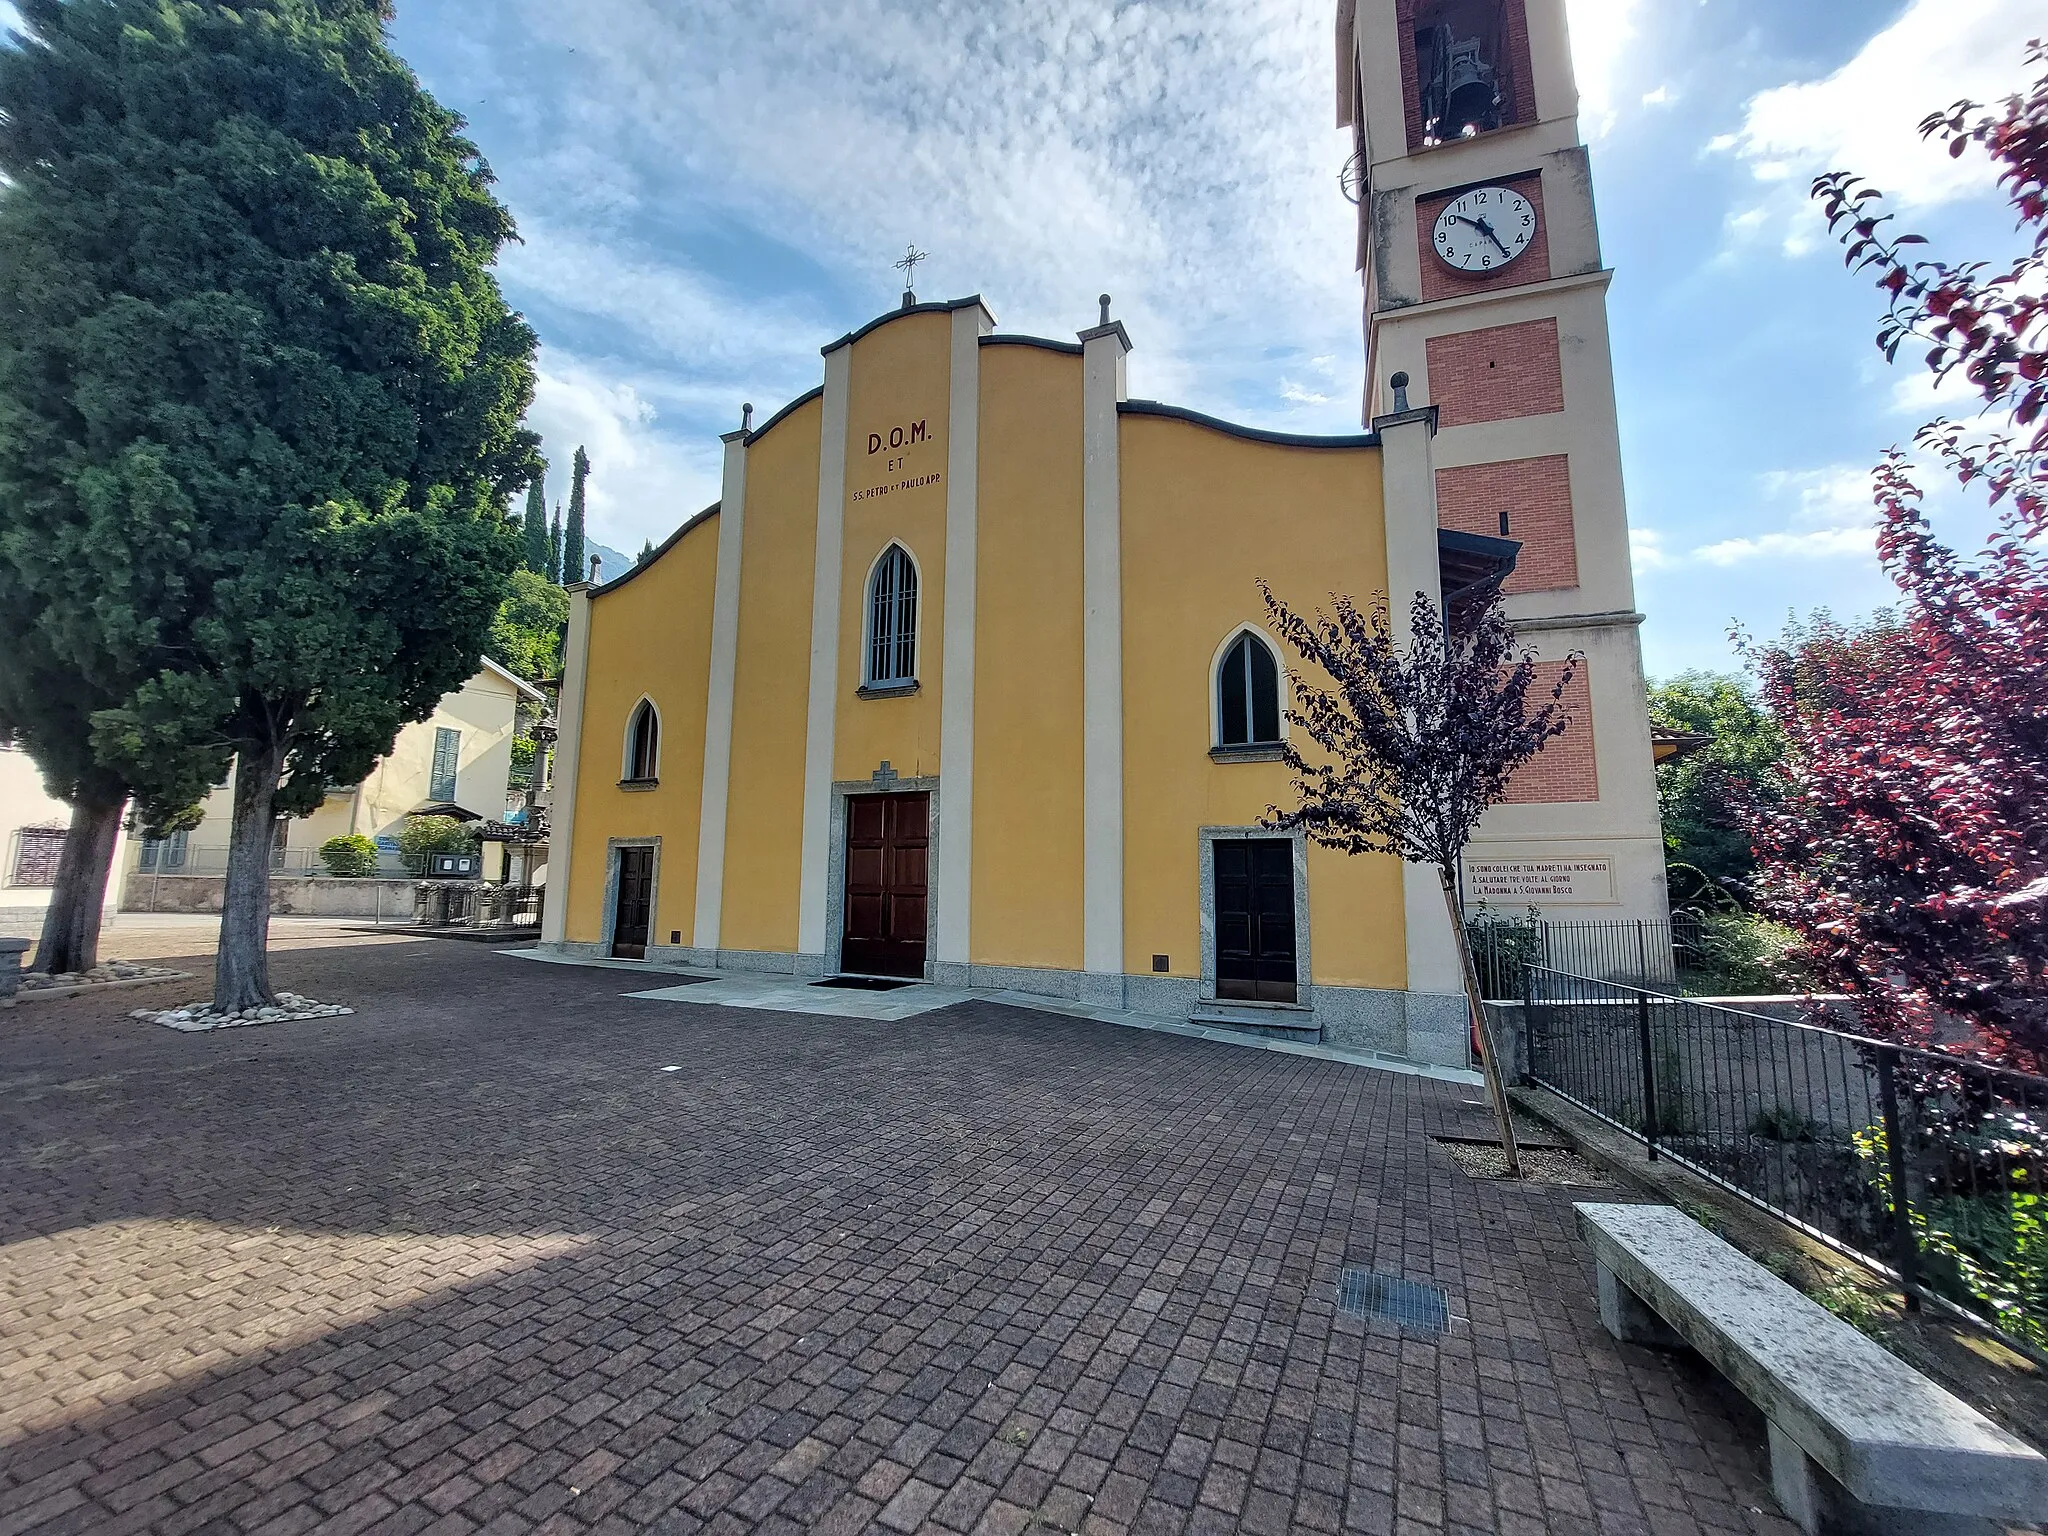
<point x="646" y="552"/>
<point x="258" y="383"/>
<point x="555" y="548"/>
<point x="534" y="528"/>
<point x="572" y="534"/>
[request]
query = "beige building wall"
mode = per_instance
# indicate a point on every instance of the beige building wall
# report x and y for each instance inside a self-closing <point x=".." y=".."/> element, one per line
<point x="26" y="810"/>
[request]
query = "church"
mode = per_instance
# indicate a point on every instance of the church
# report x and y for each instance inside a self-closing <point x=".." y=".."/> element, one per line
<point x="965" y="676"/>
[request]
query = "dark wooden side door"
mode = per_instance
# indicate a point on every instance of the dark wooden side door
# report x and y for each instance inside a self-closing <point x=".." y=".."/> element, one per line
<point x="888" y="842"/>
<point x="635" y="903"/>
<point x="1255" y="919"/>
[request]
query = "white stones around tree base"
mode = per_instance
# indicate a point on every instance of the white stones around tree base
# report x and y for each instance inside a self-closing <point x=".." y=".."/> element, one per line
<point x="192" y="1017"/>
<point x="106" y="974"/>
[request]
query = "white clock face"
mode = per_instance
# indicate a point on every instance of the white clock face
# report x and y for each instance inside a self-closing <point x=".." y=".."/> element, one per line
<point x="1485" y="229"/>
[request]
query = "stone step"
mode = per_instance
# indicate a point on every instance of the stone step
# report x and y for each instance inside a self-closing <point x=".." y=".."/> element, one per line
<point x="1272" y="1021"/>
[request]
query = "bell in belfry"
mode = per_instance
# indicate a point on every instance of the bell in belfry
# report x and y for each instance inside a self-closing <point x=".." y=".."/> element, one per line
<point x="1471" y="101"/>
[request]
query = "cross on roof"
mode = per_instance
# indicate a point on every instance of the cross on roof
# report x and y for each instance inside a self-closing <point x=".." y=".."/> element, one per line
<point x="908" y="265"/>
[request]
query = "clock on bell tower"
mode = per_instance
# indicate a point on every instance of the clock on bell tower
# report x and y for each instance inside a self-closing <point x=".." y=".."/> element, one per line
<point x="1486" y="297"/>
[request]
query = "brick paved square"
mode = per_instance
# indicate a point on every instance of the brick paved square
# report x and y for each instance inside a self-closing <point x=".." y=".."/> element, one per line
<point x="470" y="1260"/>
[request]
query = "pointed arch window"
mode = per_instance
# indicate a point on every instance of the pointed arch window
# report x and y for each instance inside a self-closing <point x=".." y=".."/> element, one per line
<point x="1248" y="694"/>
<point x="892" y="620"/>
<point x="643" y="744"/>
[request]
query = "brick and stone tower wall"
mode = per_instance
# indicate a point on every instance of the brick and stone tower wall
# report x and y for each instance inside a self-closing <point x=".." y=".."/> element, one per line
<point x="1515" y="359"/>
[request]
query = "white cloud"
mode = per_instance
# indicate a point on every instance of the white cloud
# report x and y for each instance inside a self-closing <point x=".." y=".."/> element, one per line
<point x="1600" y="35"/>
<point x="10" y="18"/>
<point x="723" y="339"/>
<point x="645" y="478"/>
<point x="1830" y="516"/>
<point x="1296" y="394"/>
<point x="1646" y="550"/>
<point x="1865" y="116"/>
<point x="1180" y="158"/>
<point x="1818" y="543"/>
<point x="1917" y="393"/>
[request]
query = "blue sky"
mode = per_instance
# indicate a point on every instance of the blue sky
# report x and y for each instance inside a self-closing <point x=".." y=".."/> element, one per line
<point x="708" y="193"/>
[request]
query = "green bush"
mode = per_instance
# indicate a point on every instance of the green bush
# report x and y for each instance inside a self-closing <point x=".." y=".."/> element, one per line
<point x="349" y="858"/>
<point x="422" y="835"/>
<point x="1501" y="946"/>
<point x="1737" y="954"/>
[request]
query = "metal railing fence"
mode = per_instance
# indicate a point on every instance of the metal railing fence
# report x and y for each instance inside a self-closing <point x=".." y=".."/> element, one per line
<point x="1928" y="1165"/>
<point x="1641" y="952"/>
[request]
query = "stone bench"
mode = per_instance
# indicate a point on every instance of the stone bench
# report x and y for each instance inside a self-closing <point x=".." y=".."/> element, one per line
<point x="1859" y="1440"/>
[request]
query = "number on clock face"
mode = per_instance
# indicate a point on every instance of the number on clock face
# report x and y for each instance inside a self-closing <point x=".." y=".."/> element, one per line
<point x="1484" y="229"/>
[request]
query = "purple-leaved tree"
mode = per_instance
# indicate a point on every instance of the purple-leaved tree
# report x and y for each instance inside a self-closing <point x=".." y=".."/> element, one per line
<point x="1908" y="842"/>
<point x="1414" y="742"/>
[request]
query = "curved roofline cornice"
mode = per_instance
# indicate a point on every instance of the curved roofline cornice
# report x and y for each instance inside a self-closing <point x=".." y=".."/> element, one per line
<point x="1070" y="348"/>
<point x="665" y="545"/>
<point x="815" y="393"/>
<point x="1251" y="434"/>
<point x="943" y="307"/>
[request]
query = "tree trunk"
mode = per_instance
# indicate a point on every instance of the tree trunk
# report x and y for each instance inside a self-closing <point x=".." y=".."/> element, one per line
<point x="241" y="969"/>
<point x="1482" y="1031"/>
<point x="71" y="926"/>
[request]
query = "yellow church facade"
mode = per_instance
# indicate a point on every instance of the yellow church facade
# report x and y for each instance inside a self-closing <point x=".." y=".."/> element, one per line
<point x="965" y="678"/>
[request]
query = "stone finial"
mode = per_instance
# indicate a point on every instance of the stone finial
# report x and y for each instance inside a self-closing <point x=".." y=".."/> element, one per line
<point x="595" y="562"/>
<point x="1400" y="383"/>
<point x="1103" y="300"/>
<point x="747" y="417"/>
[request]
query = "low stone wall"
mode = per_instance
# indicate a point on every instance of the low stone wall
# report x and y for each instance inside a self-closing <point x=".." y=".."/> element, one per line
<point x="290" y="896"/>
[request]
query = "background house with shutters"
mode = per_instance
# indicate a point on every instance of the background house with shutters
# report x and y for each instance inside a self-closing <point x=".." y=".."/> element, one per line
<point x="460" y="758"/>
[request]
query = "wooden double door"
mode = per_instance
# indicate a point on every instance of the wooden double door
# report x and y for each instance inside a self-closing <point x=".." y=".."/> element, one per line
<point x="888" y="858"/>
<point x="1255" y="959"/>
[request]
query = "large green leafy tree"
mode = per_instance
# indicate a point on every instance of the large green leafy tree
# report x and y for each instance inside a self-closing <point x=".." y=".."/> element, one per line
<point x="258" y="379"/>
<point x="1702" y="793"/>
<point x="527" y="634"/>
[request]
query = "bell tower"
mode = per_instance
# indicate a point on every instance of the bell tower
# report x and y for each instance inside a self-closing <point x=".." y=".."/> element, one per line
<point x="1484" y="286"/>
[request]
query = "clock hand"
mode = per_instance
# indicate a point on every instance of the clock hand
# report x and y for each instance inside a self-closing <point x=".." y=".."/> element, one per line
<point x="1486" y="229"/>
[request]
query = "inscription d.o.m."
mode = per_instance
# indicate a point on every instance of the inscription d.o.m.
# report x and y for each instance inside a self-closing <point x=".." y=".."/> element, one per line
<point x="899" y="437"/>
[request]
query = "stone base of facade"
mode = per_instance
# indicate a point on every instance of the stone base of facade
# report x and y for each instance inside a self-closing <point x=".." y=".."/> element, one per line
<point x="1427" y="1028"/>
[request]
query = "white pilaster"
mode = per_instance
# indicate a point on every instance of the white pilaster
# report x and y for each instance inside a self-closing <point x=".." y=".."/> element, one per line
<point x="725" y="648"/>
<point x="1408" y="497"/>
<point x="1102" y="370"/>
<point x="822" y="720"/>
<point x="567" y="763"/>
<point x="956" y="682"/>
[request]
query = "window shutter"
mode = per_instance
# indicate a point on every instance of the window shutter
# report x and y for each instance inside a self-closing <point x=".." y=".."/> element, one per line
<point x="447" y="752"/>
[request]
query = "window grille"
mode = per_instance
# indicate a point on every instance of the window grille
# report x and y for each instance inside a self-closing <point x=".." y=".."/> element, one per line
<point x="447" y="754"/>
<point x="36" y="852"/>
<point x="892" y="619"/>
<point x="1248" y="695"/>
<point x="643" y="749"/>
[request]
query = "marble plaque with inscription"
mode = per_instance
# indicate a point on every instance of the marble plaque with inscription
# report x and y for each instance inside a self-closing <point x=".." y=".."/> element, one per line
<point x="1553" y="882"/>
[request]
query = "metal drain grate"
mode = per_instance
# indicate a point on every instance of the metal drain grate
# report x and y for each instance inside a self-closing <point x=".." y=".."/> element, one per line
<point x="1405" y="1303"/>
